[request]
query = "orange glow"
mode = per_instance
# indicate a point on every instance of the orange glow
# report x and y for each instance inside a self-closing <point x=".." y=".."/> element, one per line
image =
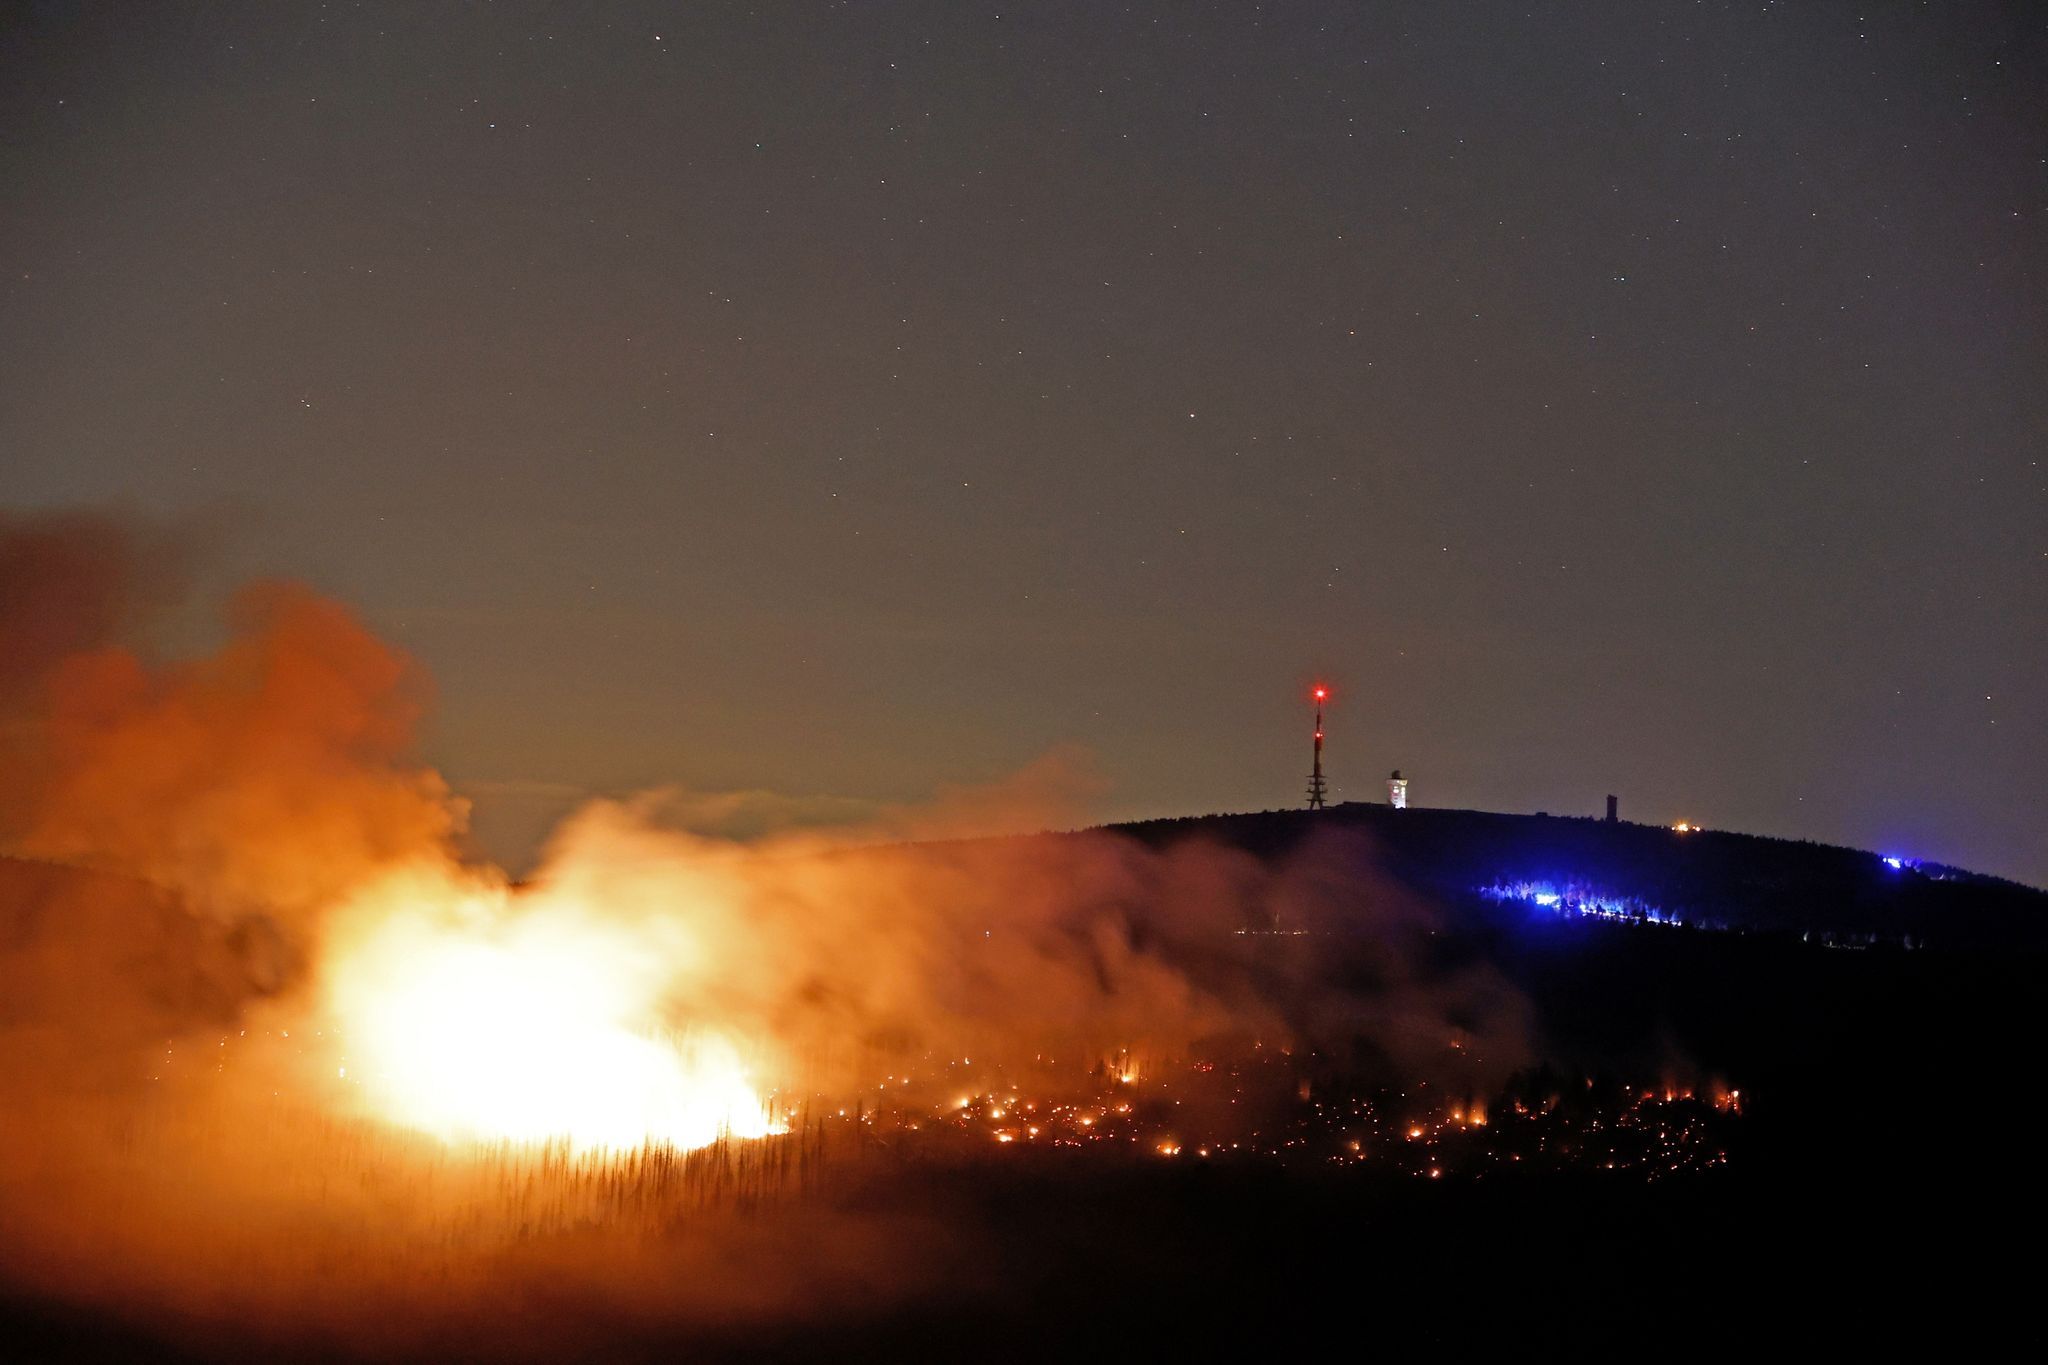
<point x="470" y="1022"/>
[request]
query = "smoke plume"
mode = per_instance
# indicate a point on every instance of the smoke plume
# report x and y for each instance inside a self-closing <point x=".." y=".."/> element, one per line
<point x="221" y="872"/>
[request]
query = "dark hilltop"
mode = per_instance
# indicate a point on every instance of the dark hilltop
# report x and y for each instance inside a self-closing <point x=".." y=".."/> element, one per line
<point x="1697" y="878"/>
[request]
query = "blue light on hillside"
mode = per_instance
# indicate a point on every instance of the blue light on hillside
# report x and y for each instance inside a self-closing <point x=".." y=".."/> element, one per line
<point x="1576" y="898"/>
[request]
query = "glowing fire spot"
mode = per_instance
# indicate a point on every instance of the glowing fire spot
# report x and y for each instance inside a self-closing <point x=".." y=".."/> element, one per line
<point x="472" y="1025"/>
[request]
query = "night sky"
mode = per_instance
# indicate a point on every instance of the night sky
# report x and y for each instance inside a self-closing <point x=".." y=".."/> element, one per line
<point x="844" y="401"/>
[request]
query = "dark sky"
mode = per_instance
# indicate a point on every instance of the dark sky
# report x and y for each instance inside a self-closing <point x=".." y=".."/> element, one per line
<point x="1636" y="397"/>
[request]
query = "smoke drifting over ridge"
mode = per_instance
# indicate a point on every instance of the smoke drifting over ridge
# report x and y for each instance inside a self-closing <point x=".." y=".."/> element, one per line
<point x="243" y="848"/>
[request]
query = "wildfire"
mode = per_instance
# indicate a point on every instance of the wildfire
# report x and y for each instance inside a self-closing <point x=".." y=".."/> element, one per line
<point x="472" y="1022"/>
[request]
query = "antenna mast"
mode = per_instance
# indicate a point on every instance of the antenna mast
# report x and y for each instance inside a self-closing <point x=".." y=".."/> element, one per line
<point x="1317" y="789"/>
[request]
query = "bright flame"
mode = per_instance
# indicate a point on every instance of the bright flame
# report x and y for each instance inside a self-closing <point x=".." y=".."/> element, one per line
<point x="470" y="1021"/>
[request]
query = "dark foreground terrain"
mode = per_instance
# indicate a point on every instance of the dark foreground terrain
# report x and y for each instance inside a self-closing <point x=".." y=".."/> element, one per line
<point x="1201" y="1265"/>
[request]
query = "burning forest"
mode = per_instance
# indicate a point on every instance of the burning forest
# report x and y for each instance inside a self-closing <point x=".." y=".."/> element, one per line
<point x="284" y="1059"/>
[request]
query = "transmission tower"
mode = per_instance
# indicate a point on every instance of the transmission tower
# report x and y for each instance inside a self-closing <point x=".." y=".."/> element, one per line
<point x="1317" y="788"/>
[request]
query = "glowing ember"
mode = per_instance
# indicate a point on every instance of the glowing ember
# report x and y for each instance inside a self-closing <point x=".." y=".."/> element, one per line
<point x="470" y="1023"/>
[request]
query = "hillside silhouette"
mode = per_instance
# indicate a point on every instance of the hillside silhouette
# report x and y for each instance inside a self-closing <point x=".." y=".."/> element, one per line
<point x="1703" y="879"/>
